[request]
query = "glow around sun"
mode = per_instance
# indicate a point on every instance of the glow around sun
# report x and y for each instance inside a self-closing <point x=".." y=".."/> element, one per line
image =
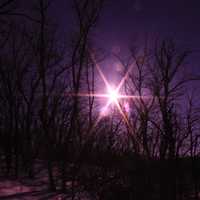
<point x="112" y="94"/>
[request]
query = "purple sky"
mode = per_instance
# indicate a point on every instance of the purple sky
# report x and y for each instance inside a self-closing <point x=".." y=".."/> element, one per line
<point x="122" y="18"/>
<point x="124" y="21"/>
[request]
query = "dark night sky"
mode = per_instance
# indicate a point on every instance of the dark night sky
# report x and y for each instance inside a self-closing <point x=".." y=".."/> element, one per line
<point x="123" y="21"/>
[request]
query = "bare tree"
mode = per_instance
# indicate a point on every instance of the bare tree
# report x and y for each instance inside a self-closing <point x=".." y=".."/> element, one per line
<point x="87" y="13"/>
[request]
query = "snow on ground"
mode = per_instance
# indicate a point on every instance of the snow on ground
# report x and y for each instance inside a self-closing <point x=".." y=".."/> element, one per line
<point x="12" y="187"/>
<point x="15" y="190"/>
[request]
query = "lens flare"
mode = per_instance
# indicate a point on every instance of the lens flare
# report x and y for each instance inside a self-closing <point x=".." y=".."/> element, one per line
<point x="113" y="95"/>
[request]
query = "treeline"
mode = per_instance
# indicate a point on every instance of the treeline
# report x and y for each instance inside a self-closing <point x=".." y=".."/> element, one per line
<point x="153" y="153"/>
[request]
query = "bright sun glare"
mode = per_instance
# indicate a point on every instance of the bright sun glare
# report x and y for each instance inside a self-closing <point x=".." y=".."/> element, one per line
<point x="113" y="94"/>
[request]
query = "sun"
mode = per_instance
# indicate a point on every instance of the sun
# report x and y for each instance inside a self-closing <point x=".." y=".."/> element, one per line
<point x="113" y="95"/>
